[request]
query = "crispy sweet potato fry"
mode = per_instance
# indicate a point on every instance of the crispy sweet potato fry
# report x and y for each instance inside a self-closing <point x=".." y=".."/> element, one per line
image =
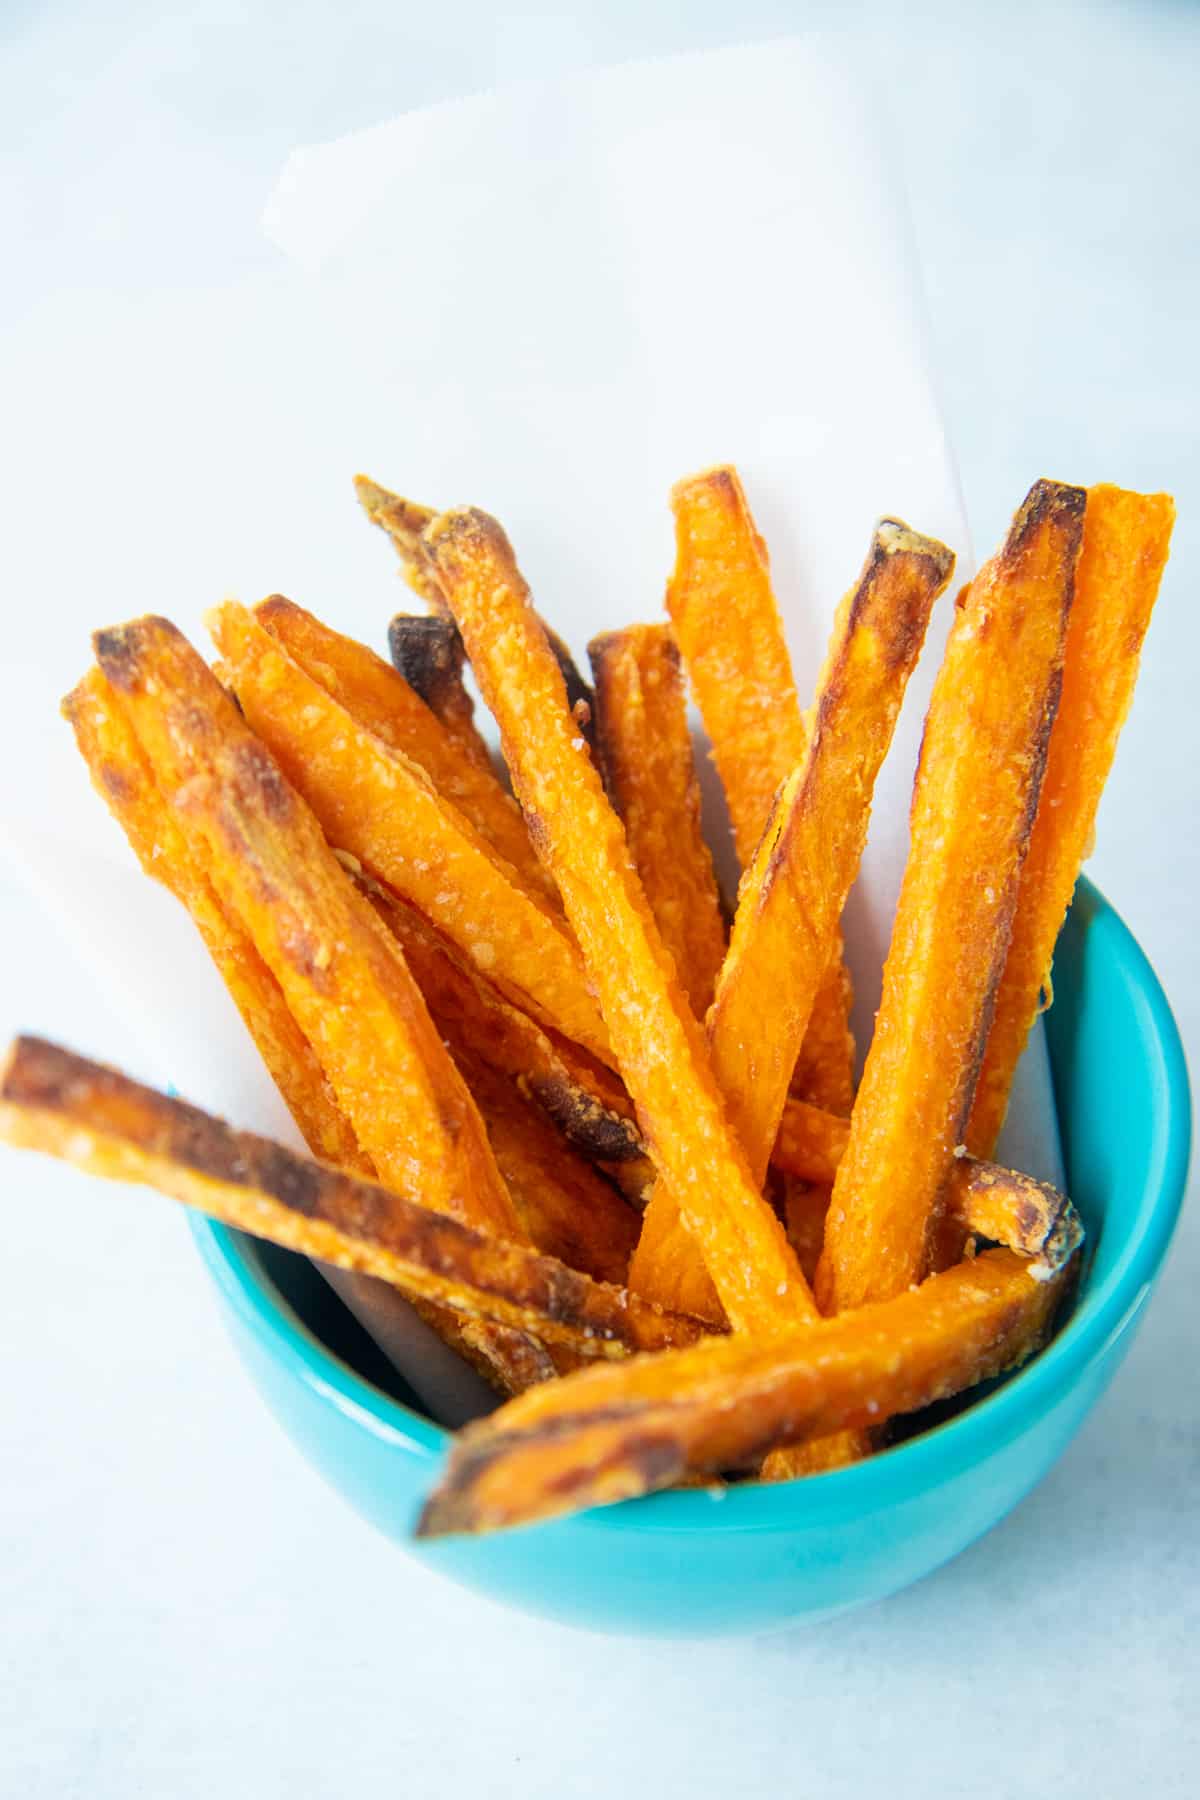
<point x="427" y="651"/>
<point x="66" y="1106"/>
<point x="586" y="1101"/>
<point x="975" y="796"/>
<point x="125" y="781"/>
<point x="1126" y="539"/>
<point x="405" y="522"/>
<point x="376" y="803"/>
<point x="343" y="978"/>
<point x="983" y="1201"/>
<point x="810" y="1142"/>
<point x="658" y="1043"/>
<point x="610" y="1434"/>
<point x="792" y="895"/>
<point x="568" y="1210"/>
<point x="645" y="754"/>
<point x="729" y="632"/>
<point x="377" y="698"/>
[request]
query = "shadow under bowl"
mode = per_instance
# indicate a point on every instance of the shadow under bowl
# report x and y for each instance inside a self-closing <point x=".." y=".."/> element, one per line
<point x="750" y="1557"/>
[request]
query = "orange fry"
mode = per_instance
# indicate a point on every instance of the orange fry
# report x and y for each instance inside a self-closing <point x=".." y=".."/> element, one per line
<point x="658" y="1044"/>
<point x="586" y="1101"/>
<point x="976" y="793"/>
<point x="343" y="978"/>
<point x="376" y="803"/>
<point x="405" y="522"/>
<point x="793" y="893"/>
<point x="125" y="781"/>
<point x="645" y="755"/>
<point x="608" y="1434"/>
<point x="730" y="635"/>
<point x="1126" y="539"/>
<point x="428" y="653"/>
<point x="382" y="702"/>
<point x="66" y="1106"/>
<point x="983" y="1201"/>
<point x="568" y="1210"/>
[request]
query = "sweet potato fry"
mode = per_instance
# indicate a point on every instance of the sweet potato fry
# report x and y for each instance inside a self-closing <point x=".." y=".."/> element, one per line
<point x="645" y="754"/>
<point x="792" y="895"/>
<point x="1126" y="539"/>
<point x="382" y="702"/>
<point x="568" y="1210"/>
<point x="983" y="1201"/>
<point x="610" y="1434"/>
<point x="427" y="651"/>
<point x="125" y="781"/>
<point x="66" y="1106"/>
<point x="810" y="1143"/>
<point x="730" y="635"/>
<point x="975" y="796"/>
<point x="586" y="1101"/>
<point x="405" y="521"/>
<point x="343" y="978"/>
<point x="658" y="1043"/>
<point x="376" y="803"/>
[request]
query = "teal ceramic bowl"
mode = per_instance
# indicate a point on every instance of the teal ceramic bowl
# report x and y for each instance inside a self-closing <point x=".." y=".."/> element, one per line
<point x="691" y="1563"/>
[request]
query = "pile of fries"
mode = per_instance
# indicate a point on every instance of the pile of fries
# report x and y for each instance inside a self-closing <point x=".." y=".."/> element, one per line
<point x="607" y="1141"/>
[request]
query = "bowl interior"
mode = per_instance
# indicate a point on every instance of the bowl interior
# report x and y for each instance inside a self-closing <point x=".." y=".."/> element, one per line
<point x="1124" y="1113"/>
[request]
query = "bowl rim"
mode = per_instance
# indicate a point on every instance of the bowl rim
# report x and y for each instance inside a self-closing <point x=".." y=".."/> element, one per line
<point x="1106" y="1310"/>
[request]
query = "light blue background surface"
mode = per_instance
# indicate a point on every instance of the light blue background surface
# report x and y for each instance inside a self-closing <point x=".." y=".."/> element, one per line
<point x="186" y="1612"/>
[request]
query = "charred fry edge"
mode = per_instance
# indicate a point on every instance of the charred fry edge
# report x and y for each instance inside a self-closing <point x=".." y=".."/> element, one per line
<point x="67" y="1106"/>
<point x="608" y="1435"/>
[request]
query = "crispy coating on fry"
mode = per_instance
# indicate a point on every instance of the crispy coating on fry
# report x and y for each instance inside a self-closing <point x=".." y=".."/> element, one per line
<point x="586" y="1101"/>
<point x="379" y="805"/>
<point x="124" y="779"/>
<point x="810" y="1142"/>
<point x="645" y="753"/>
<point x="984" y="1202"/>
<point x="343" y="978"/>
<point x="1126" y="540"/>
<point x="658" y="1043"/>
<point x="568" y="1210"/>
<point x="405" y="522"/>
<point x="378" y="699"/>
<point x="730" y="634"/>
<point x="610" y="1434"/>
<point x="69" y="1107"/>
<point x="427" y="651"/>
<point x="792" y="895"/>
<point x="976" y="793"/>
